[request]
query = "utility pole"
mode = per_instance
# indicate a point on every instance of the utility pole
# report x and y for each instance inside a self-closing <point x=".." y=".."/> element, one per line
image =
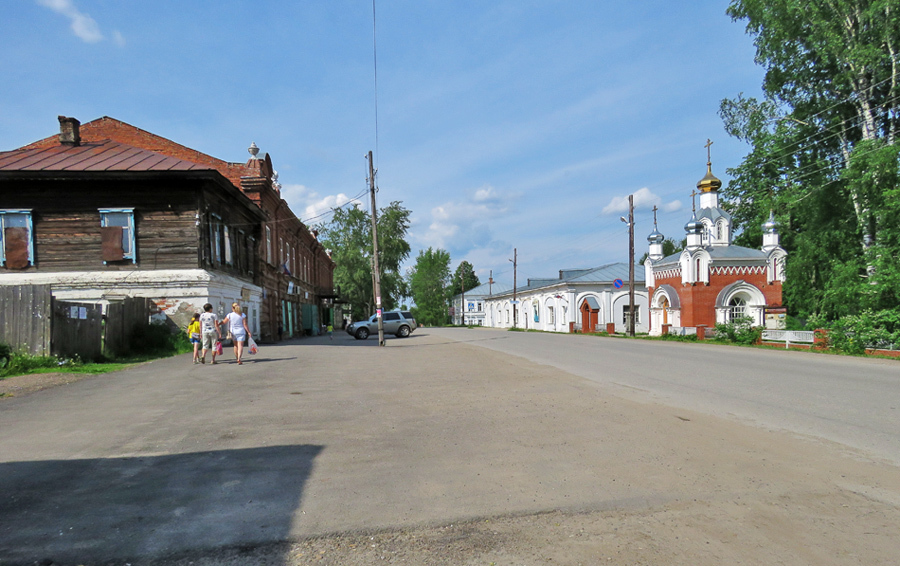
<point x="462" y="288"/>
<point x="515" y="302"/>
<point x="631" y="312"/>
<point x="376" y="269"/>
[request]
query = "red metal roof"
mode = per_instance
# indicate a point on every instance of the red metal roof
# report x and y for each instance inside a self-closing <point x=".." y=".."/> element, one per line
<point x="105" y="155"/>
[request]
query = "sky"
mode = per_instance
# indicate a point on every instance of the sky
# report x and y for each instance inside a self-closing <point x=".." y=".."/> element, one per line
<point x="502" y="125"/>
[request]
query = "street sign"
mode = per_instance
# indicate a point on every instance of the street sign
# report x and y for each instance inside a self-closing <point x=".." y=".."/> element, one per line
<point x="515" y="302"/>
<point x="618" y="283"/>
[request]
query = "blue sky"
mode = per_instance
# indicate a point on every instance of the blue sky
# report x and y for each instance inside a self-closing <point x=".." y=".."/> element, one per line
<point x="506" y="124"/>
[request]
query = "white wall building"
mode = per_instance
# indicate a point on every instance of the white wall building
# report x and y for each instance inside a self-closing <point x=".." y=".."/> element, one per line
<point x="472" y="311"/>
<point x="579" y="300"/>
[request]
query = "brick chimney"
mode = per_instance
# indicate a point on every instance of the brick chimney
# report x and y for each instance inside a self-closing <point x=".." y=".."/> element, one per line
<point x="69" y="131"/>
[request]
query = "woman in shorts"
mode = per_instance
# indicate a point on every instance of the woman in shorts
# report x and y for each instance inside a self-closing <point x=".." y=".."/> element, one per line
<point x="237" y="325"/>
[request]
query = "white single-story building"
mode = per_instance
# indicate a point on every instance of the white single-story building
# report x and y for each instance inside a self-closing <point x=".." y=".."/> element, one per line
<point x="579" y="300"/>
<point x="469" y="307"/>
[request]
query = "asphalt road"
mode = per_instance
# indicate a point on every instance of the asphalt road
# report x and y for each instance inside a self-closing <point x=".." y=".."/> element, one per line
<point x="320" y="436"/>
<point x="849" y="400"/>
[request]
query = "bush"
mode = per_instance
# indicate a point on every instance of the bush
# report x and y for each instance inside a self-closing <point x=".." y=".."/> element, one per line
<point x="853" y="334"/>
<point x="739" y="331"/>
<point x="5" y="355"/>
<point x="158" y="339"/>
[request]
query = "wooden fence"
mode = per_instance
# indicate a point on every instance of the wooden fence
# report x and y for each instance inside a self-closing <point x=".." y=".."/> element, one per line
<point x="26" y="318"/>
<point x="77" y="330"/>
<point x="32" y="321"/>
<point x="121" y="319"/>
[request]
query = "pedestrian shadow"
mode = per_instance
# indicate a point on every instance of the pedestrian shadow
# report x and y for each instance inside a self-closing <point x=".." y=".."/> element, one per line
<point x="116" y="510"/>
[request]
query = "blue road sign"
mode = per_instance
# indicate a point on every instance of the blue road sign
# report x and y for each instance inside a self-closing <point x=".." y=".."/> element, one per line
<point x="618" y="283"/>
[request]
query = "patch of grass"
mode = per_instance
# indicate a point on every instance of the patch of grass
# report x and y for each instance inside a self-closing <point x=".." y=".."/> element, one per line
<point x="24" y="364"/>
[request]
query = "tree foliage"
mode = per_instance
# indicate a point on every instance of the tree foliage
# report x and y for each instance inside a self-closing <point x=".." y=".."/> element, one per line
<point x="349" y="237"/>
<point x="428" y="282"/>
<point x="824" y="151"/>
<point x="463" y="279"/>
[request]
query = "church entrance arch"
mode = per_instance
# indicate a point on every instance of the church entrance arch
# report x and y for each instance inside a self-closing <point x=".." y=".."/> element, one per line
<point x="740" y="299"/>
<point x="590" y="314"/>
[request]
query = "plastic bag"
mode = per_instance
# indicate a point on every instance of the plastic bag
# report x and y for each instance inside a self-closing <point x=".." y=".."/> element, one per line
<point x="254" y="349"/>
<point x="218" y="348"/>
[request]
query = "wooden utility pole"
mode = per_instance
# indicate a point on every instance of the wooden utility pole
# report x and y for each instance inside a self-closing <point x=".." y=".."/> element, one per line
<point x="462" y="288"/>
<point x="376" y="268"/>
<point x="631" y="313"/>
<point x="514" y="261"/>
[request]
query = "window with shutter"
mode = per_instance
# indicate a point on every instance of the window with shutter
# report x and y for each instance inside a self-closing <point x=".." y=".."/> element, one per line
<point x="117" y="235"/>
<point x="16" y="243"/>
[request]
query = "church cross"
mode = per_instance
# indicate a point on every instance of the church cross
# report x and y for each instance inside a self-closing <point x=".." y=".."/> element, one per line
<point x="693" y="201"/>
<point x="707" y="146"/>
<point x="654" y="216"/>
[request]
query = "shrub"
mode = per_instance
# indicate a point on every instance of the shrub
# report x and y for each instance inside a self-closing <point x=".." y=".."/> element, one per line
<point x="739" y="331"/>
<point x="158" y="339"/>
<point x="853" y="334"/>
<point x="5" y="354"/>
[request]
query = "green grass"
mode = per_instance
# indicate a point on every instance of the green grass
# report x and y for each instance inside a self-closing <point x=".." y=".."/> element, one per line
<point x="153" y="342"/>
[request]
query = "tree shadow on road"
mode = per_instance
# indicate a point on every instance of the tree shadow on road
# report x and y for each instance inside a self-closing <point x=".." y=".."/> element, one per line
<point x="145" y="508"/>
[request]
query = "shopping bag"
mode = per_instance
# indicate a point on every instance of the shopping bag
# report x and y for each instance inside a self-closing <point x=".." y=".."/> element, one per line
<point x="254" y="349"/>
<point x="218" y="348"/>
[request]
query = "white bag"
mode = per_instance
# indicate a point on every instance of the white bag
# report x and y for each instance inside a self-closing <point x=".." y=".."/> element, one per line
<point x="254" y="349"/>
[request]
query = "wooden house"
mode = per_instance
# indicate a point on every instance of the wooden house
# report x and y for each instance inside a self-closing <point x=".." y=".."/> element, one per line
<point x="101" y="219"/>
<point x="293" y="270"/>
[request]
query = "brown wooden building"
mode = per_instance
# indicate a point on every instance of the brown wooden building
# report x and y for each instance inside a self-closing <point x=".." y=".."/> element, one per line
<point x="166" y="222"/>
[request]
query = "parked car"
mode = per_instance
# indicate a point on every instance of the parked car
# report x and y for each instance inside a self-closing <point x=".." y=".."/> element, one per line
<point x="400" y="323"/>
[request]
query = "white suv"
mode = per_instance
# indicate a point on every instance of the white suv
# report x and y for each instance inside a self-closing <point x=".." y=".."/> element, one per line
<point x="400" y="323"/>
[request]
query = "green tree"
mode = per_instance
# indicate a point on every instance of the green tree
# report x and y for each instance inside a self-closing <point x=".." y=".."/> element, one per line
<point x="670" y="247"/>
<point x="349" y="237"/>
<point x="463" y="279"/>
<point x="824" y="152"/>
<point x="428" y="282"/>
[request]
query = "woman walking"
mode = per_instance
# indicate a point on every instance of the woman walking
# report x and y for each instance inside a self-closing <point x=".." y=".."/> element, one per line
<point x="237" y="325"/>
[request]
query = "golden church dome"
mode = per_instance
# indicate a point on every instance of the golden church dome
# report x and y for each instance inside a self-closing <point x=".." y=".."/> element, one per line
<point x="709" y="183"/>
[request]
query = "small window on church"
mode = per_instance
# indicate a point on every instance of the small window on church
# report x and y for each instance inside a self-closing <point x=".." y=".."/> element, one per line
<point x="637" y="314"/>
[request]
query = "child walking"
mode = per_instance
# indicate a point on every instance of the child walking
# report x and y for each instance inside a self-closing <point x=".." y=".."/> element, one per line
<point x="193" y="332"/>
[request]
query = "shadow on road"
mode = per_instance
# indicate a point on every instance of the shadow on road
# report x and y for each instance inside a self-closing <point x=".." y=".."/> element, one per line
<point x="139" y="508"/>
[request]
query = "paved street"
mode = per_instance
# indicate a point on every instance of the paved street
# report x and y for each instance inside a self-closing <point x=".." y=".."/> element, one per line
<point x="853" y="401"/>
<point x="319" y="438"/>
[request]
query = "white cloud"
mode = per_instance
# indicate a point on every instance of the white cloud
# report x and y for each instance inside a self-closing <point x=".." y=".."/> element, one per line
<point x="644" y="199"/>
<point x="84" y="26"/>
<point x="315" y="208"/>
<point x="465" y="224"/>
<point x="118" y="38"/>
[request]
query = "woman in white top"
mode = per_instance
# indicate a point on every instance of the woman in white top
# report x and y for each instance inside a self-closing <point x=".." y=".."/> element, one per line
<point x="237" y="325"/>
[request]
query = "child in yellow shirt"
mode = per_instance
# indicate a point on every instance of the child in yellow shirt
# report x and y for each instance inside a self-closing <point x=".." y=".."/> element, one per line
<point x="193" y="332"/>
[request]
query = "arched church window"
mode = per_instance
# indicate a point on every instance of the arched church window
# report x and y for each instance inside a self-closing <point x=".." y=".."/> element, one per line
<point x="737" y="308"/>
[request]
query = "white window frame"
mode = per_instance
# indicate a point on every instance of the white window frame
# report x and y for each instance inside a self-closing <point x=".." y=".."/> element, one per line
<point x="29" y="226"/>
<point x="131" y="253"/>
<point x="229" y="259"/>
<point x="637" y="314"/>
<point x="268" y="245"/>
